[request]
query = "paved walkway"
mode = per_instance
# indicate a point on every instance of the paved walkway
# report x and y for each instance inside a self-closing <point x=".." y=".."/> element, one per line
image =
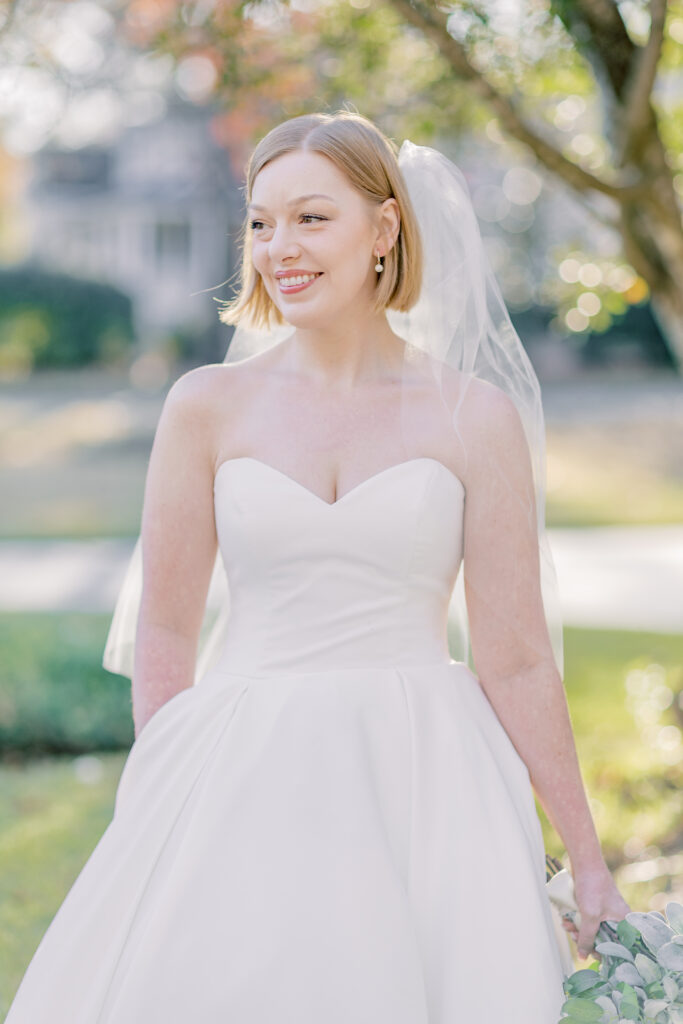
<point x="628" y="577"/>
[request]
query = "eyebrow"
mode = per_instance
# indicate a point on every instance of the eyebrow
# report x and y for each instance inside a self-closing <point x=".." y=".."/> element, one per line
<point x="299" y="199"/>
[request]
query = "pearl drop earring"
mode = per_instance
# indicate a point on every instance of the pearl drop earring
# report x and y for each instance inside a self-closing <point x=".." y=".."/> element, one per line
<point x="379" y="266"/>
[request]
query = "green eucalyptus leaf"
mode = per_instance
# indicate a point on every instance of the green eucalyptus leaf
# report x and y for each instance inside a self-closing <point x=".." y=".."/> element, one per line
<point x="674" y="914"/>
<point x="647" y="968"/>
<point x="652" y="1007"/>
<point x="582" y="980"/>
<point x="627" y="972"/>
<point x="614" y="949"/>
<point x="670" y="956"/>
<point x="610" y="1014"/>
<point x="653" y="928"/>
<point x="670" y="987"/>
<point x="629" y="1006"/>
<point x="627" y="933"/>
<point x="584" y="1010"/>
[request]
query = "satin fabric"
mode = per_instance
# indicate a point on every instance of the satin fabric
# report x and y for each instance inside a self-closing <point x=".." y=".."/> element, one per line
<point x="332" y="825"/>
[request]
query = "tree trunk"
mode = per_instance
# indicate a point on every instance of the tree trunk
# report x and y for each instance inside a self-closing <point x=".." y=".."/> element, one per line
<point x="653" y="242"/>
<point x="667" y="308"/>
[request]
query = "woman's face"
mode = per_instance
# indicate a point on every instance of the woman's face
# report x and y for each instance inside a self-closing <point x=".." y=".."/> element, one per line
<point x="314" y="239"/>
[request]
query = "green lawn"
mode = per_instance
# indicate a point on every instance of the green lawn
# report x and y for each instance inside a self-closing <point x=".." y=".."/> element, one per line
<point x="625" y="694"/>
<point x="52" y="814"/>
<point x="53" y="811"/>
<point x="621" y="473"/>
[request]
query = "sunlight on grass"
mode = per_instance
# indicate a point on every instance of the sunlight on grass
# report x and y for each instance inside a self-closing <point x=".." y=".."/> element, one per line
<point x="609" y="474"/>
<point x="632" y="768"/>
<point x="57" y="431"/>
<point x="52" y="814"/>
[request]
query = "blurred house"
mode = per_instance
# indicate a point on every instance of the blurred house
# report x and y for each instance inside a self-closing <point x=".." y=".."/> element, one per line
<point x="157" y="213"/>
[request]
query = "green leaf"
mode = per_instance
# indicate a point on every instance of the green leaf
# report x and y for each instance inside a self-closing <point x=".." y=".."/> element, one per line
<point x="614" y="949"/>
<point x="583" y="1010"/>
<point x="647" y="968"/>
<point x="670" y="988"/>
<point x="627" y="933"/>
<point x="627" y="972"/>
<point x="582" y="980"/>
<point x="654" y="930"/>
<point x="670" y="956"/>
<point x="609" y="1010"/>
<point x="629" y="1007"/>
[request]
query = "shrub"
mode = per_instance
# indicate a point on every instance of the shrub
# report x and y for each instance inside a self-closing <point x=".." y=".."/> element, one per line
<point x="56" y="320"/>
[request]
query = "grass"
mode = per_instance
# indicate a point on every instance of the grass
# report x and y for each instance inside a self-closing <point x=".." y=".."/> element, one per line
<point x="53" y="811"/>
<point x="52" y="814"/>
<point x="56" y="698"/>
<point x="625" y="694"/>
<point x="614" y="474"/>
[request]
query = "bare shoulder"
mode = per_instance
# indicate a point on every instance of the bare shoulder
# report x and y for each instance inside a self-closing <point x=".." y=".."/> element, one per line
<point x="203" y="384"/>
<point x="214" y="388"/>
<point x="479" y="405"/>
<point x="212" y="403"/>
<point x="490" y="408"/>
<point x="486" y="420"/>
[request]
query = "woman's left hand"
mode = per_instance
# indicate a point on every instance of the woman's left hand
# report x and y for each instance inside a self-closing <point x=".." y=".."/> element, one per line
<point x="598" y="899"/>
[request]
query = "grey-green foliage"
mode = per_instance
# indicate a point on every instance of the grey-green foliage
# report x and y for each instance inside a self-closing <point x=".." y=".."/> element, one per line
<point x="639" y="976"/>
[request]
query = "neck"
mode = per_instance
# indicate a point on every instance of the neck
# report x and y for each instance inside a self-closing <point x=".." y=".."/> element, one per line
<point x="362" y="349"/>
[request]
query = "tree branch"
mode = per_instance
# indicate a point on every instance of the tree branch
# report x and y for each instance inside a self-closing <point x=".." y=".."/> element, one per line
<point x="433" y="24"/>
<point x="10" y="12"/>
<point x="637" y="109"/>
<point x="609" y="39"/>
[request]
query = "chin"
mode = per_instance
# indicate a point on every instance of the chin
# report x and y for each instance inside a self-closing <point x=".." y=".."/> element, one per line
<point x="320" y="315"/>
<point x="307" y="320"/>
<point x="311" y="318"/>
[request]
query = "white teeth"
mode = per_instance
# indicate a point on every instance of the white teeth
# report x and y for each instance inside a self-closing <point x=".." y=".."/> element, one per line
<point x="290" y="282"/>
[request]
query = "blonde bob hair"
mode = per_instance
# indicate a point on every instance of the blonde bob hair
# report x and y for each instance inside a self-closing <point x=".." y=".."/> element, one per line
<point x="368" y="159"/>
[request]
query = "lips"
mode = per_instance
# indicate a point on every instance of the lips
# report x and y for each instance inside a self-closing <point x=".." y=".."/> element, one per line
<point x="291" y="282"/>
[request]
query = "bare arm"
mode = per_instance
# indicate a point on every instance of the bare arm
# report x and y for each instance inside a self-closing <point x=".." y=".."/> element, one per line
<point x="511" y="646"/>
<point x="178" y="547"/>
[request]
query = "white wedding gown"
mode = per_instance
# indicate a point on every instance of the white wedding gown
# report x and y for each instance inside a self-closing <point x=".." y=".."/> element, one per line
<point x="332" y="826"/>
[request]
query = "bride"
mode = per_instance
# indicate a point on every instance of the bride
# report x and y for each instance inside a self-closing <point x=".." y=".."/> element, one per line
<point x="337" y="822"/>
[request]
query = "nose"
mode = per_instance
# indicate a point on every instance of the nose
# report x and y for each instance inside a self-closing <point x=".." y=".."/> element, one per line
<point x="283" y="244"/>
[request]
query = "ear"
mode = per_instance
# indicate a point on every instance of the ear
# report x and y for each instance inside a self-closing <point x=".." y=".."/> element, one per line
<point x="388" y="226"/>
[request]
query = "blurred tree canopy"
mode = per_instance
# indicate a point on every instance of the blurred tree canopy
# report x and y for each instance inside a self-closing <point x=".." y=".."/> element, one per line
<point x="424" y="70"/>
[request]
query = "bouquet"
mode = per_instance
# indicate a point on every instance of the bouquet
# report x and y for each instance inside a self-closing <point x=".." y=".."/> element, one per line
<point x="639" y="975"/>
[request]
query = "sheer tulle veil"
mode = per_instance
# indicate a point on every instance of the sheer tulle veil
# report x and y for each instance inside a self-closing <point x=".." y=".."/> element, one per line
<point x="459" y="329"/>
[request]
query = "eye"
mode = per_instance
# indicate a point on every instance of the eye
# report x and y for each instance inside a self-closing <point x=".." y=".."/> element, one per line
<point x="256" y="225"/>
<point x="310" y="217"/>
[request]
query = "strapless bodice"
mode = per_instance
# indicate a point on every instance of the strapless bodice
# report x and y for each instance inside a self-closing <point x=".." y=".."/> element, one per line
<point x="365" y="580"/>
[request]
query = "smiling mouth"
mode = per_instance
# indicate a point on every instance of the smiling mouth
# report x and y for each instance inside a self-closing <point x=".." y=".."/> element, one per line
<point x="296" y="282"/>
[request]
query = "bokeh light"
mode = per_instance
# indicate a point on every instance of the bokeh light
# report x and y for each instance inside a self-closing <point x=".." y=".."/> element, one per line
<point x="589" y="303"/>
<point x="576" y="320"/>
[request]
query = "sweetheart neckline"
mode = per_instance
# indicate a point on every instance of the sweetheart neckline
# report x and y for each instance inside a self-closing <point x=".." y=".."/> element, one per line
<point x="358" y="487"/>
